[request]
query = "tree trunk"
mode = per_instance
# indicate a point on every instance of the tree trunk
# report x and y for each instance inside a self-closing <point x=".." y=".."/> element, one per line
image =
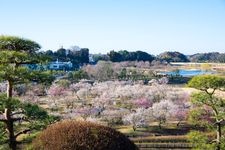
<point x="10" y="129"/>
<point x="160" y="124"/>
<point x="178" y="123"/>
<point x="218" y="135"/>
<point x="9" y="120"/>
<point x="9" y="89"/>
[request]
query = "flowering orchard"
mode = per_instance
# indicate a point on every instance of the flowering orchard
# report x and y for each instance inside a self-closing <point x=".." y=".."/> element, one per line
<point x="114" y="102"/>
<point x="119" y="102"/>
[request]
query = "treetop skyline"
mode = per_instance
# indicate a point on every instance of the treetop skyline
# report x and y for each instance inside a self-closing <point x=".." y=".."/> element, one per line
<point x="152" y="26"/>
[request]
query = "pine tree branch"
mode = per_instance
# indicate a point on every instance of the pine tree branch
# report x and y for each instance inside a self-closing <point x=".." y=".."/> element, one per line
<point x="17" y="113"/>
<point x="213" y="141"/>
<point x="22" y="132"/>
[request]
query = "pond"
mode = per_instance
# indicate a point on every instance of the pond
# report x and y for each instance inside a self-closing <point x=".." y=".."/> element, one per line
<point x="188" y="73"/>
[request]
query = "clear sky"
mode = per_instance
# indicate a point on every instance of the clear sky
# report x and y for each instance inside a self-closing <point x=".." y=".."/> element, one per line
<point x="154" y="26"/>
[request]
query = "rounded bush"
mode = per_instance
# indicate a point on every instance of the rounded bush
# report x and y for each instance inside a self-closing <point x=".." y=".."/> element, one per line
<point x="74" y="135"/>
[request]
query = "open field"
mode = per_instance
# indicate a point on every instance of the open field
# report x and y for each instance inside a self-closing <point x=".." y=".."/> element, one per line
<point x="220" y="67"/>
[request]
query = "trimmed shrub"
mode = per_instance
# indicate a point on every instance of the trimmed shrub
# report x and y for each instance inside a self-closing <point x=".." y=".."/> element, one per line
<point x="80" y="135"/>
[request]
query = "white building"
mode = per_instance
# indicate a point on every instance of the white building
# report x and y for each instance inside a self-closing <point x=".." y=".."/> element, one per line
<point x="91" y="59"/>
<point x="58" y="65"/>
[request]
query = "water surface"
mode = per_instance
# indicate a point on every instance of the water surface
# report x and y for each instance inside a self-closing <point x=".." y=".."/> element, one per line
<point x="188" y="73"/>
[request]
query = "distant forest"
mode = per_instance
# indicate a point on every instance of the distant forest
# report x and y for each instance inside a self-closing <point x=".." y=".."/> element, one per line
<point x="81" y="56"/>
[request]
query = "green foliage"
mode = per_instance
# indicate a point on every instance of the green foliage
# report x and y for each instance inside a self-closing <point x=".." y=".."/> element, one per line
<point x="72" y="135"/>
<point x="16" y="52"/>
<point x="34" y="116"/>
<point x="115" y="57"/>
<point x="123" y="74"/>
<point x="77" y="57"/>
<point x="12" y="56"/>
<point x="100" y="57"/>
<point x="77" y="75"/>
<point x="63" y="83"/>
<point x="214" y="103"/>
<point x="208" y="106"/>
<point x="38" y="117"/>
<point x="208" y="84"/>
<point x="200" y="141"/>
<point x="204" y="82"/>
<point x="173" y="57"/>
<point x="124" y="55"/>
<point x="5" y="103"/>
<point x="30" y="111"/>
<point x="18" y="44"/>
<point x="199" y="117"/>
<point x="7" y="72"/>
<point x="42" y="77"/>
<point x="34" y="112"/>
<point x="2" y="134"/>
<point x="200" y="98"/>
<point x="208" y="57"/>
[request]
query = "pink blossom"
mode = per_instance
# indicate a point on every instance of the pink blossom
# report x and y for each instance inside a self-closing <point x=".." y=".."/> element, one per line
<point x="143" y="102"/>
<point x="56" y="90"/>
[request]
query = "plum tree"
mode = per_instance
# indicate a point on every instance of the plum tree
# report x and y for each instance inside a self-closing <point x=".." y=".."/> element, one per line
<point x="138" y="118"/>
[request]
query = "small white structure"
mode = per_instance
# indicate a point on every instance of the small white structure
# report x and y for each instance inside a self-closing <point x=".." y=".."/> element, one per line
<point x="91" y="59"/>
<point x="58" y="65"/>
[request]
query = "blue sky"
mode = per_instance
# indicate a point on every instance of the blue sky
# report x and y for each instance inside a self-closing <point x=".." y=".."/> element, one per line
<point x="154" y="26"/>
